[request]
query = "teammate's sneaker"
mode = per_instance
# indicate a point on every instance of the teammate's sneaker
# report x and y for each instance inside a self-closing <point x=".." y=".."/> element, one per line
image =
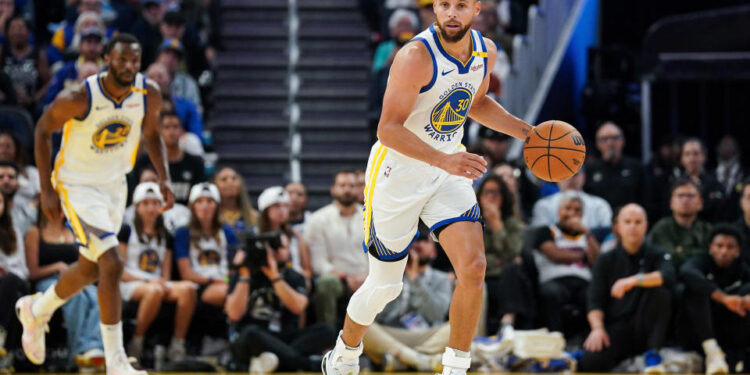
<point x="653" y="363"/>
<point x="34" y="329"/>
<point x="716" y="364"/>
<point x="334" y="364"/>
<point x="121" y="365"/>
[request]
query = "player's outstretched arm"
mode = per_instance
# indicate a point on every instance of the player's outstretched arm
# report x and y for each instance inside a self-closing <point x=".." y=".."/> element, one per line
<point x="412" y="70"/>
<point x="490" y="113"/>
<point x="153" y="143"/>
<point x="70" y="103"/>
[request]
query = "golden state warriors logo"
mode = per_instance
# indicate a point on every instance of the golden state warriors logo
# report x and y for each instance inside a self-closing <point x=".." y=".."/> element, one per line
<point x="111" y="135"/>
<point x="451" y="112"/>
<point x="209" y="258"/>
<point x="148" y="261"/>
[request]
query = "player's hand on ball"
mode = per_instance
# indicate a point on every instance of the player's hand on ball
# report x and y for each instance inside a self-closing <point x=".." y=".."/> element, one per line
<point x="51" y="205"/>
<point x="166" y="192"/>
<point x="463" y="164"/>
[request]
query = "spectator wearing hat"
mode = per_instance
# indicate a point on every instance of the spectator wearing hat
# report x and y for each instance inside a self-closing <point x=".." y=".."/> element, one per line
<point x="146" y="247"/>
<point x="175" y="26"/>
<point x="146" y="29"/>
<point x="183" y="85"/>
<point x="336" y="237"/>
<point x="596" y="211"/>
<point x="65" y="41"/>
<point x="203" y="248"/>
<point x="176" y="217"/>
<point x="185" y="170"/>
<point x="90" y="48"/>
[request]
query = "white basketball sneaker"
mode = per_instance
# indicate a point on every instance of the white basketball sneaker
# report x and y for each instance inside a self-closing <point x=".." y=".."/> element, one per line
<point x="120" y="365"/>
<point x="341" y="360"/>
<point x="34" y="329"/>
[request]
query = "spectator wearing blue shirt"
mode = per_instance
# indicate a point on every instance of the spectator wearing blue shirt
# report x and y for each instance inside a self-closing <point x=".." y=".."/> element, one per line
<point x="90" y="51"/>
<point x="66" y="40"/>
<point x="203" y="248"/>
<point x="185" y="109"/>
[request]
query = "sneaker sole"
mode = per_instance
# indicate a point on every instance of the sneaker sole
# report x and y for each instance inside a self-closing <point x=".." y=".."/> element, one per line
<point x="323" y="364"/>
<point x="90" y="362"/>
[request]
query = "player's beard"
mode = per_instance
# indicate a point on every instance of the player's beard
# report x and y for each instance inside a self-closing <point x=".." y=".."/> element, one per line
<point x="120" y="80"/>
<point x="456" y="37"/>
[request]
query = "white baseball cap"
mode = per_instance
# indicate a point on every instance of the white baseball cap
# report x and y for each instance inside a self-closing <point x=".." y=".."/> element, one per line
<point x="271" y="196"/>
<point x="204" y="189"/>
<point x="147" y="190"/>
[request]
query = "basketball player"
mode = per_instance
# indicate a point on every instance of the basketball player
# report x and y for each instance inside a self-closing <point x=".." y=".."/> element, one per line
<point x="419" y="170"/>
<point x="101" y="121"/>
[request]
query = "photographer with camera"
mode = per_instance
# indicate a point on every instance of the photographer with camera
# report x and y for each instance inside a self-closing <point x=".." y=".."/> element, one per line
<point x="265" y="301"/>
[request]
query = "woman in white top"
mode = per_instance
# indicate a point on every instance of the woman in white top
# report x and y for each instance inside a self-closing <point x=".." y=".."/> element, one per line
<point x="11" y="149"/>
<point x="13" y="275"/>
<point x="147" y="250"/>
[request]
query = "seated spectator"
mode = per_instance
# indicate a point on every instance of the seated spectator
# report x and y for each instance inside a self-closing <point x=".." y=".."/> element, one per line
<point x="510" y="175"/>
<point x="683" y="234"/>
<point x="617" y="178"/>
<point x="335" y="235"/>
<point x="184" y="108"/>
<point x="273" y="204"/>
<point x="13" y="281"/>
<point x="146" y="247"/>
<point x="65" y="41"/>
<point x="183" y="85"/>
<point x="730" y="173"/>
<point x="503" y="241"/>
<point x="359" y="186"/>
<point x="236" y="209"/>
<point x="718" y="298"/>
<point x="90" y="48"/>
<point x="185" y="170"/>
<point x="176" y="217"/>
<point x="11" y="150"/>
<point x="174" y="25"/>
<point x="426" y="13"/>
<point x="402" y="25"/>
<point x="146" y="29"/>
<point x="563" y="254"/>
<point x="598" y="213"/>
<point x="660" y="172"/>
<point x="298" y="213"/>
<point x="26" y="66"/>
<point x="412" y="330"/>
<point x="7" y="11"/>
<point x="24" y="213"/>
<point x="265" y="306"/>
<point x="191" y="143"/>
<point x="628" y="300"/>
<point x="50" y="249"/>
<point x="204" y="247"/>
<point x="743" y="223"/>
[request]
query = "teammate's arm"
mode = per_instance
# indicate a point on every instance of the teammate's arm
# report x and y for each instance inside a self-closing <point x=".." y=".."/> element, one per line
<point x="153" y="143"/>
<point x="407" y="76"/>
<point x="69" y="103"/>
<point x="490" y="113"/>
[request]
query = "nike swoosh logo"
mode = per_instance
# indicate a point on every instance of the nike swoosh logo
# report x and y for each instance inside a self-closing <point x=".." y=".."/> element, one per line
<point x="448" y="72"/>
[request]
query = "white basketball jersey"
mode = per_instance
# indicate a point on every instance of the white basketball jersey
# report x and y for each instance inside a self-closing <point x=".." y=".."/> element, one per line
<point x="208" y="257"/>
<point x="549" y="270"/>
<point x="443" y="105"/>
<point x="145" y="259"/>
<point x="101" y="146"/>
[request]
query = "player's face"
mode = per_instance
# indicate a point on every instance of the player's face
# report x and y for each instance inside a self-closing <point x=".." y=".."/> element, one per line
<point x="204" y="208"/>
<point x="297" y="196"/>
<point x="124" y="61"/>
<point x="631" y="224"/>
<point x="343" y="189"/>
<point x="693" y="157"/>
<point x="228" y="182"/>
<point x="686" y="200"/>
<point x="148" y="209"/>
<point x="454" y="17"/>
<point x="724" y="249"/>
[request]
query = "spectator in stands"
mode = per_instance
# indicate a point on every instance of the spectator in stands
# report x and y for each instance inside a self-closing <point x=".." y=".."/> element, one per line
<point x="203" y="248"/>
<point x="743" y="223"/>
<point x="615" y="177"/>
<point x="683" y="234"/>
<point x="236" y="209"/>
<point x="146" y="29"/>
<point x="298" y="213"/>
<point x="7" y="11"/>
<point x="718" y="298"/>
<point x="175" y="26"/>
<point x="146" y="247"/>
<point x="176" y="217"/>
<point x="50" y="249"/>
<point x="13" y="276"/>
<point x="563" y="254"/>
<point x="661" y="171"/>
<point x="90" y="48"/>
<point x="597" y="213"/>
<point x="7" y="90"/>
<point x="22" y="212"/>
<point x="185" y="170"/>
<point x="503" y="240"/>
<point x="335" y="235"/>
<point x="402" y="25"/>
<point x="729" y="173"/>
<point x="24" y="64"/>
<point x="189" y="141"/>
<point x="412" y="330"/>
<point x="628" y="300"/>
<point x="426" y="13"/>
<point x="359" y="186"/>
<point x="510" y="175"/>
<point x="273" y="204"/>
<point x="265" y="306"/>
<point x="693" y="160"/>
<point x="183" y="85"/>
<point x="11" y="150"/>
<point x="187" y="111"/>
<point x="65" y="42"/>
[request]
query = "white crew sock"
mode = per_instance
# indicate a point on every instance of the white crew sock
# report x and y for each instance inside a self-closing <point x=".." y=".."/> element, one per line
<point x="112" y="340"/>
<point x="456" y="362"/>
<point x="710" y="346"/>
<point x="348" y="353"/>
<point x="47" y="303"/>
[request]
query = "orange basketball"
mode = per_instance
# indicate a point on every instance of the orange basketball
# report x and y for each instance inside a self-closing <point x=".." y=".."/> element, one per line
<point x="554" y="151"/>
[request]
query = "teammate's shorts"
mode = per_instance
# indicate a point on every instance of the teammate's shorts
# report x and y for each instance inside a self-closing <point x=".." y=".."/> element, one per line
<point x="400" y="191"/>
<point x="95" y="214"/>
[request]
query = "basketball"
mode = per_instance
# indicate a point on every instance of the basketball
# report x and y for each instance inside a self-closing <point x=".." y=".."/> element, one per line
<point x="554" y="151"/>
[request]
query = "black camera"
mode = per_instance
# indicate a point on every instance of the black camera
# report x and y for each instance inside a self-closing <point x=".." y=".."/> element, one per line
<point x="256" y="248"/>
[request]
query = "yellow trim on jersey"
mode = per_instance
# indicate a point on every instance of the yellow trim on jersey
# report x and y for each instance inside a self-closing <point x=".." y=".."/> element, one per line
<point x="479" y="54"/>
<point x="142" y="91"/>
<point x="72" y="217"/>
<point x="61" y="154"/>
<point x="134" y="155"/>
<point x="370" y="188"/>
<point x="465" y="64"/>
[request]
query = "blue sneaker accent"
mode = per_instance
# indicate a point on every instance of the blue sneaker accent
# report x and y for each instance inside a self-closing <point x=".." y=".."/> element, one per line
<point x="652" y="358"/>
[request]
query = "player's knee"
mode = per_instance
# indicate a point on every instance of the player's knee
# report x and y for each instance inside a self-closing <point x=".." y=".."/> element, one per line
<point x="473" y="270"/>
<point x="110" y="265"/>
<point x="370" y="299"/>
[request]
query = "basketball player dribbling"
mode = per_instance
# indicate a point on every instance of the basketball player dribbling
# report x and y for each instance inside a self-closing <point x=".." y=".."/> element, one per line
<point x="101" y="121"/>
<point x="418" y="170"/>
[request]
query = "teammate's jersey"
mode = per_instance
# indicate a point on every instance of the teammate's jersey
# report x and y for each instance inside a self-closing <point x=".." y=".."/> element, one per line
<point x="101" y="146"/>
<point x="442" y="106"/>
